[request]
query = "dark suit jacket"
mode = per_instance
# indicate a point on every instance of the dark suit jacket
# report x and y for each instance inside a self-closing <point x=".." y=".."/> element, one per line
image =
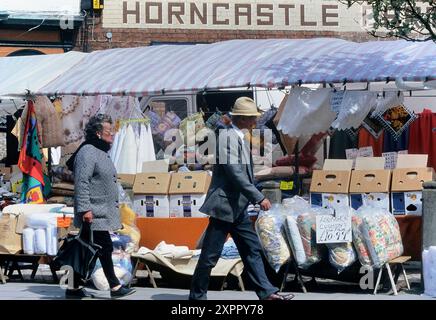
<point x="232" y="187"/>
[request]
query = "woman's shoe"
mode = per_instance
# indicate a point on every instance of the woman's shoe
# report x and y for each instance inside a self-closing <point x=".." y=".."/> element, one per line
<point x="122" y="292"/>
<point x="78" y="294"/>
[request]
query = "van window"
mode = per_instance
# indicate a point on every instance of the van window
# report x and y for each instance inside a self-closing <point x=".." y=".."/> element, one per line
<point x="178" y="106"/>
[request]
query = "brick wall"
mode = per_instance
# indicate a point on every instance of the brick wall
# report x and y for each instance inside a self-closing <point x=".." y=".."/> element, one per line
<point x="5" y="51"/>
<point x="124" y="38"/>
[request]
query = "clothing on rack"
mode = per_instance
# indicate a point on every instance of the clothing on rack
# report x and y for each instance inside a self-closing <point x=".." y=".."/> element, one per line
<point x="133" y="145"/>
<point x="366" y="140"/>
<point x="422" y="136"/>
<point x="339" y="142"/>
<point x="390" y="144"/>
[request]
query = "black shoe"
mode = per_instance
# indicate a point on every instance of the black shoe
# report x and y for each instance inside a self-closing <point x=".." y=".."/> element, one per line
<point x="78" y="294"/>
<point x="122" y="292"/>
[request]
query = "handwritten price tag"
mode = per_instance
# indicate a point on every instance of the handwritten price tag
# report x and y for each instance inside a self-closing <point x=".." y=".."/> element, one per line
<point x="331" y="229"/>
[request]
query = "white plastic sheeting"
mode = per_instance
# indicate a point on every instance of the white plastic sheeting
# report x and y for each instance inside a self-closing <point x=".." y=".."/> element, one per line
<point x="19" y="75"/>
<point x="306" y="112"/>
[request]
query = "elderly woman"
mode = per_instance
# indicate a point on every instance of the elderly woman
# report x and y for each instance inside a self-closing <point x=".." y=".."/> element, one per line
<point x="96" y="198"/>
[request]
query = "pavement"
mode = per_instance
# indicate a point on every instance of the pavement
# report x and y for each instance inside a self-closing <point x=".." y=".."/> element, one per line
<point x="42" y="288"/>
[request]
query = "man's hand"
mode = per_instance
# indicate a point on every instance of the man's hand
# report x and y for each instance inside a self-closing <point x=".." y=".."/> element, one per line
<point x="87" y="217"/>
<point x="265" y="205"/>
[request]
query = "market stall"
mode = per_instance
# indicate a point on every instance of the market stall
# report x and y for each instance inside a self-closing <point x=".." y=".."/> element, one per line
<point x="115" y="81"/>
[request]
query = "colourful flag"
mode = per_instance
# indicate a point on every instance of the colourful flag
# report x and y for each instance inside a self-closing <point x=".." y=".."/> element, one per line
<point x="31" y="160"/>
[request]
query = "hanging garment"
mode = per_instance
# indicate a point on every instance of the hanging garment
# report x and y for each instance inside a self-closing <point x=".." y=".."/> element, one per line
<point x="366" y="140"/>
<point x="121" y="137"/>
<point x="143" y="148"/>
<point x="150" y="144"/>
<point x="390" y="144"/>
<point x="339" y="142"/>
<point x="306" y="112"/>
<point x="355" y="106"/>
<point x="114" y="146"/>
<point x="129" y="153"/>
<point x="422" y="136"/>
<point x="30" y="162"/>
<point x="49" y="123"/>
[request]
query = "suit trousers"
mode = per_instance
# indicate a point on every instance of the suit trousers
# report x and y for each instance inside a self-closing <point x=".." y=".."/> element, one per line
<point x="103" y="239"/>
<point x="249" y="248"/>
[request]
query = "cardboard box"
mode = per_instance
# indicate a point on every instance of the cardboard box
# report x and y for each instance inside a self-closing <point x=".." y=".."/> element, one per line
<point x="6" y="172"/>
<point x="127" y="180"/>
<point x="370" y="187"/>
<point x="10" y="238"/>
<point x="187" y="193"/>
<point x="151" y="194"/>
<point x="329" y="188"/>
<point x="406" y="190"/>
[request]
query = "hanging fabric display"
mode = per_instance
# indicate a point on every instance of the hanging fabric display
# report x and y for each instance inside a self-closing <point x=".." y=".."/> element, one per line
<point x="49" y="123"/>
<point x="155" y="119"/>
<point x="31" y="162"/>
<point x="306" y="112"/>
<point x="129" y="153"/>
<point x="133" y="145"/>
<point x="396" y="119"/>
<point x="367" y="140"/>
<point x="386" y="101"/>
<point x="374" y="127"/>
<point x="422" y="136"/>
<point x="355" y="106"/>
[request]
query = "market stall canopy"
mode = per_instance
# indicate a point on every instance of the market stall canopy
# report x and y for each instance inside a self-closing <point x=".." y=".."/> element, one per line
<point x="238" y="63"/>
<point x="20" y="75"/>
<point x="9" y="106"/>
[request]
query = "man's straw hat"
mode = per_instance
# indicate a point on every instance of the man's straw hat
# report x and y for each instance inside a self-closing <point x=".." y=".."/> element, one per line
<point x="245" y="106"/>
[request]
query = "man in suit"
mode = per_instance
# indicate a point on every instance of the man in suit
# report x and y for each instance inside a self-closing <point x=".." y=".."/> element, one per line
<point x="232" y="189"/>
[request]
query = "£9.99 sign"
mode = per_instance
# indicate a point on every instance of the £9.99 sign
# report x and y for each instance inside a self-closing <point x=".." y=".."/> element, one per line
<point x="331" y="229"/>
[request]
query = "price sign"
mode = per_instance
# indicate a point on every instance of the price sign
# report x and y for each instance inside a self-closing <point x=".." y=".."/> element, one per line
<point x="286" y="185"/>
<point x="331" y="229"/>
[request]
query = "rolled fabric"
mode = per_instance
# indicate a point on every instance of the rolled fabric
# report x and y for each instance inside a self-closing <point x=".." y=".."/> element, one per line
<point x="41" y="220"/>
<point x="28" y="240"/>
<point x="40" y="242"/>
<point x="51" y="239"/>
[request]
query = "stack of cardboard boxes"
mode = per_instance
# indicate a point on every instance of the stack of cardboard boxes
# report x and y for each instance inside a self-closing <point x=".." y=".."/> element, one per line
<point x="165" y="195"/>
<point x="399" y="190"/>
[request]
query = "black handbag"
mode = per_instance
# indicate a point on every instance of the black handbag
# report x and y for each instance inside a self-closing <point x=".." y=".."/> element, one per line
<point x="79" y="252"/>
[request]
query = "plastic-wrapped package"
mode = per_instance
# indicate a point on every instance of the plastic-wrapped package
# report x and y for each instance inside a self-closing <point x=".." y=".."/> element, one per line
<point x="341" y="255"/>
<point x="303" y="247"/>
<point x="269" y="228"/>
<point x="101" y="283"/>
<point x="40" y="242"/>
<point x="376" y="236"/>
<point x="307" y="226"/>
<point x="123" y="270"/>
<point x="51" y="238"/>
<point x="123" y="197"/>
<point x="429" y="271"/>
<point x="128" y="221"/>
<point x="28" y="241"/>
<point x="41" y="220"/>
<point x="295" y="241"/>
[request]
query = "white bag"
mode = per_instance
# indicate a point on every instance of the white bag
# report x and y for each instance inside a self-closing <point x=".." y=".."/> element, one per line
<point x="28" y="240"/>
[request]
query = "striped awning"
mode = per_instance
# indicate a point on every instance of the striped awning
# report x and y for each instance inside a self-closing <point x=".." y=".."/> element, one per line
<point x="27" y="74"/>
<point x="238" y="63"/>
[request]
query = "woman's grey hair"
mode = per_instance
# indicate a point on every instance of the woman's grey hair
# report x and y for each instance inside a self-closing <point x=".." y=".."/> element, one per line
<point x="95" y="124"/>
